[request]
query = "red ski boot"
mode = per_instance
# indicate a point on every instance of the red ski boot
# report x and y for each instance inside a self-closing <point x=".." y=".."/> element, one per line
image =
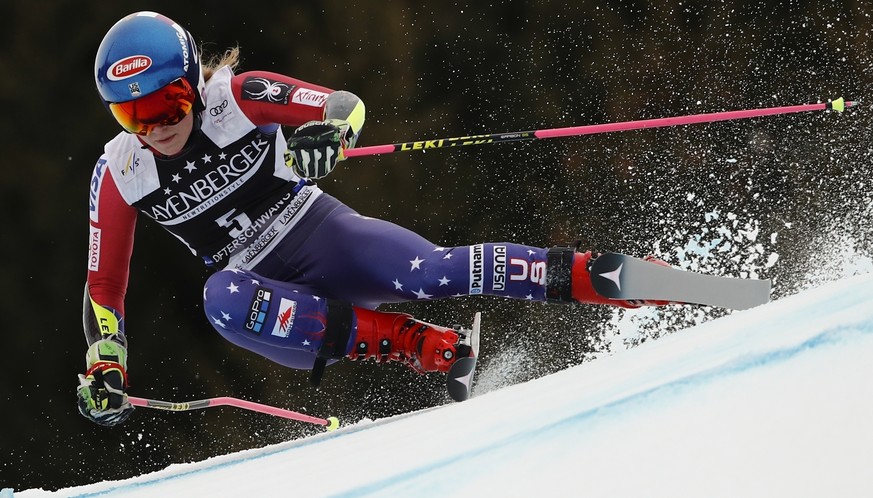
<point x="569" y="279"/>
<point x="399" y="337"/>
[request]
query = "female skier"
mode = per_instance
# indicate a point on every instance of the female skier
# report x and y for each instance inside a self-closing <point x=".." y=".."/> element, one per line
<point x="298" y="274"/>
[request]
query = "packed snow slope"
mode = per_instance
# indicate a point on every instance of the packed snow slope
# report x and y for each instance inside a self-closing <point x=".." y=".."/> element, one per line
<point x="773" y="401"/>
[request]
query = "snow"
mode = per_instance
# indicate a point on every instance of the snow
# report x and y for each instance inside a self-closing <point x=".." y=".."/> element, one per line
<point x="773" y="401"/>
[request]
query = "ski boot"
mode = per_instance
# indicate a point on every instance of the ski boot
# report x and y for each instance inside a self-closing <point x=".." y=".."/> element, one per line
<point x="399" y="337"/>
<point x="569" y="279"/>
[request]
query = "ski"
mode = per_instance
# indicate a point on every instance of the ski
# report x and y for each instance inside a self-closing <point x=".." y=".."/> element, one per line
<point x="618" y="276"/>
<point x="459" y="378"/>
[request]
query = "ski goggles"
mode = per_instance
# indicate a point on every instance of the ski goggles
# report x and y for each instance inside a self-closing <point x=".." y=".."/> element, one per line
<point x="164" y="107"/>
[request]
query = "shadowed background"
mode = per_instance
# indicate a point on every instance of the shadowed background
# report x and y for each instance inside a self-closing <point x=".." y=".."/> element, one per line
<point x="425" y="70"/>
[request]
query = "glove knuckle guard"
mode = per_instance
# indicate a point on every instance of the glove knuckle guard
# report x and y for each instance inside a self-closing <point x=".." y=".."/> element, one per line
<point x="316" y="147"/>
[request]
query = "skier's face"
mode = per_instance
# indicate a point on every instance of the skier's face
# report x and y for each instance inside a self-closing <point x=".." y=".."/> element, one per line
<point x="169" y="140"/>
<point x="162" y="118"/>
<point x="165" y="106"/>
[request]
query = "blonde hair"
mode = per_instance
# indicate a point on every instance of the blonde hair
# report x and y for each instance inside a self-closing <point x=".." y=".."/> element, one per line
<point x="215" y="62"/>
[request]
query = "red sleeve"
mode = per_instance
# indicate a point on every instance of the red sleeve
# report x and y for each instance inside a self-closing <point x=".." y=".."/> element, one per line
<point x="268" y="98"/>
<point x="110" y="241"/>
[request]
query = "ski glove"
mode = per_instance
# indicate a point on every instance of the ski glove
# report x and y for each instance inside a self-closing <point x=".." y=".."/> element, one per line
<point x="316" y="147"/>
<point x="101" y="389"/>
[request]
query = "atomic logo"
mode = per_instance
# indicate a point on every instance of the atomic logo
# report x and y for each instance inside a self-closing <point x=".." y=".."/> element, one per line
<point x="614" y="275"/>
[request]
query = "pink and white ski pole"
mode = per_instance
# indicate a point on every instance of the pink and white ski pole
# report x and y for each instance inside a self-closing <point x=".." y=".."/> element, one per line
<point x="331" y="423"/>
<point x="837" y="105"/>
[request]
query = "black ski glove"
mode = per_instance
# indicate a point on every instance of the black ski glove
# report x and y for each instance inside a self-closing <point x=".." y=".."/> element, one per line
<point x="315" y="147"/>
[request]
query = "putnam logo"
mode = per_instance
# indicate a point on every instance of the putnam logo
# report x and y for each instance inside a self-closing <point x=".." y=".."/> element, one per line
<point x="129" y="66"/>
<point x="477" y="269"/>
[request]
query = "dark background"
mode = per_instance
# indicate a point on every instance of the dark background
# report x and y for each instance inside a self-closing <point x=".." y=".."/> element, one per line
<point x="425" y="70"/>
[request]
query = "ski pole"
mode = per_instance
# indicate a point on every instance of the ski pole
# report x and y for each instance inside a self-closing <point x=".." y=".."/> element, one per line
<point x="331" y="423"/>
<point x="838" y="105"/>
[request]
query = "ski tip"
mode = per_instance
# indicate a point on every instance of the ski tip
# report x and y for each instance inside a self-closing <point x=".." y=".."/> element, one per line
<point x="332" y="424"/>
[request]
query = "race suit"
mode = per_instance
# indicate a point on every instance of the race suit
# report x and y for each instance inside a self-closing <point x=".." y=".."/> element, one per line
<point x="281" y="247"/>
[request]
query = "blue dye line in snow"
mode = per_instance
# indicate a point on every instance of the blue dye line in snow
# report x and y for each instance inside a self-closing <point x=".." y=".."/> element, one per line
<point x="739" y="365"/>
<point x="734" y="367"/>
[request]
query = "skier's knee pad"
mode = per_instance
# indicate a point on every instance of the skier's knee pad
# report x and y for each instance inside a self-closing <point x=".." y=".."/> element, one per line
<point x="235" y="302"/>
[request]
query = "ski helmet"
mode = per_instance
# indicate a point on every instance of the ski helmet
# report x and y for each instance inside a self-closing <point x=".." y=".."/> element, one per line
<point x="142" y="53"/>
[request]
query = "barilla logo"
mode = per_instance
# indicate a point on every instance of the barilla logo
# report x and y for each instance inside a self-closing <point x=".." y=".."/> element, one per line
<point x="129" y="66"/>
